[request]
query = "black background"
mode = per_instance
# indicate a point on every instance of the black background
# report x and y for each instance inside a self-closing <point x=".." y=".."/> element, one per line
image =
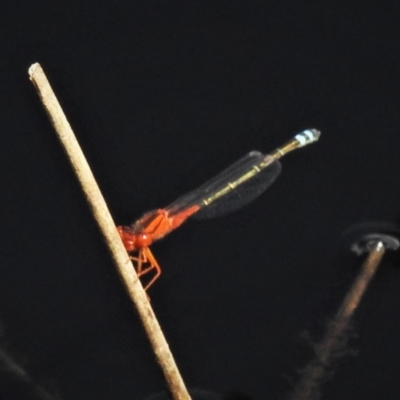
<point x="162" y="96"/>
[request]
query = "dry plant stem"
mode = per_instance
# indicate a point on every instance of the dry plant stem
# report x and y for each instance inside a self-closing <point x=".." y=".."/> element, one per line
<point x="107" y="226"/>
<point x="307" y="388"/>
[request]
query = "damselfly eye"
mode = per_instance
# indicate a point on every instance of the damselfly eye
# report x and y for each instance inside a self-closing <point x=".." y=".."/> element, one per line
<point x="143" y="240"/>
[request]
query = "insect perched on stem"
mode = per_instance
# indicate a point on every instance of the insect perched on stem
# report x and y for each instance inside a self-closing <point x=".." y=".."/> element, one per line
<point x="233" y="188"/>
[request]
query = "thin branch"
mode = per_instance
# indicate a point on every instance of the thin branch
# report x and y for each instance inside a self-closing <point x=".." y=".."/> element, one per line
<point x="332" y="345"/>
<point x="107" y="227"/>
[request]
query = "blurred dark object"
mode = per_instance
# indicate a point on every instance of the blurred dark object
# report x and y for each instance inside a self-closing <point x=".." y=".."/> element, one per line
<point x="199" y="394"/>
<point x="16" y="383"/>
<point x="237" y="396"/>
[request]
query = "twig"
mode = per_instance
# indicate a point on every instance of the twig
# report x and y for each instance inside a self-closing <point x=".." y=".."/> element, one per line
<point x="107" y="227"/>
<point x="334" y="341"/>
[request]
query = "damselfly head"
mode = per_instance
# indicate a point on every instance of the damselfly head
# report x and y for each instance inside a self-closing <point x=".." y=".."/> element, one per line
<point x="128" y="238"/>
<point x="132" y="240"/>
